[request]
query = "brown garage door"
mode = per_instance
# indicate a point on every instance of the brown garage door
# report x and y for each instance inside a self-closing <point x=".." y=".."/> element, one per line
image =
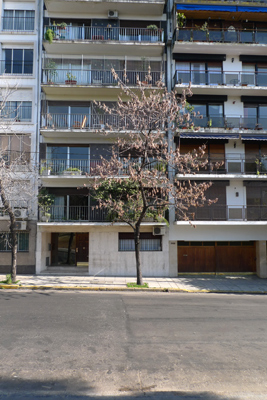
<point x="215" y="257"/>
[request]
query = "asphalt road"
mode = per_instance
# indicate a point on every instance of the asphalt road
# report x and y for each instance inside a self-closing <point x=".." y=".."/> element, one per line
<point x="130" y="346"/>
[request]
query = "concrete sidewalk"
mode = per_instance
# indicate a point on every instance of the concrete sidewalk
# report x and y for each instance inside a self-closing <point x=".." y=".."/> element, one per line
<point x="198" y="284"/>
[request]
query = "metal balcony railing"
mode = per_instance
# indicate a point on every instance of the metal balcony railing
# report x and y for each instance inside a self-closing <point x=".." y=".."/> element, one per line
<point x="217" y="212"/>
<point x="229" y="122"/>
<point x="91" y="77"/>
<point x="232" y="164"/>
<point x="68" y="167"/>
<point x="76" y="213"/>
<point x="226" y="78"/>
<point x="16" y="24"/>
<point x="90" y="33"/>
<point x="223" y="35"/>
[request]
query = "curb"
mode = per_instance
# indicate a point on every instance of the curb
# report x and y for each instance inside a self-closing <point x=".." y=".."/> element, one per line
<point x="126" y="289"/>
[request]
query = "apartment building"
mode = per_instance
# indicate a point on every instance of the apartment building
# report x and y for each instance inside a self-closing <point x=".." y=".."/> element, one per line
<point x="19" y="71"/>
<point x="220" y="48"/>
<point x="82" y="40"/>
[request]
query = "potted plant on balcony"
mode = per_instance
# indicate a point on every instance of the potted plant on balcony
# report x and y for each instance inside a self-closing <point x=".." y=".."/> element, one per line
<point x="49" y="35"/>
<point x="45" y="201"/>
<point x="153" y="31"/>
<point x="51" y="72"/>
<point x="72" y="171"/>
<point x="71" y="79"/>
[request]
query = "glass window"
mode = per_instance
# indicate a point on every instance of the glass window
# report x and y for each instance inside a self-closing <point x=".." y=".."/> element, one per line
<point x="23" y="241"/>
<point x="147" y="242"/>
<point x="18" y="111"/>
<point x="18" y="61"/>
<point x="18" y="20"/>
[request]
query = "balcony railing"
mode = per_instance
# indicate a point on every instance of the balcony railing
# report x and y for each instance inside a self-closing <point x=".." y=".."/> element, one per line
<point x="91" y="77"/>
<point x="16" y="24"/>
<point x="77" y="214"/>
<point x="69" y="167"/>
<point x="223" y="35"/>
<point x="228" y="78"/>
<point x="232" y="164"/>
<point x="86" y="121"/>
<point x="230" y="122"/>
<point x="228" y="213"/>
<point x="90" y="33"/>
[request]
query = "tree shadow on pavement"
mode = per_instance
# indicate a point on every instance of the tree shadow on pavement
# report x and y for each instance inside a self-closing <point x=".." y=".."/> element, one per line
<point x="18" y="389"/>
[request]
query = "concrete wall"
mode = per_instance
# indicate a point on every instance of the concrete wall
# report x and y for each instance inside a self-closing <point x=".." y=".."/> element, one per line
<point x="105" y="259"/>
<point x="25" y="260"/>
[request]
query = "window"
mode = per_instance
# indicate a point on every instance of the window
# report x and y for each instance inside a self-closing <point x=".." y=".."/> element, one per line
<point x="17" y="111"/>
<point x="23" y="241"/>
<point x="18" y="20"/>
<point x="208" y="115"/>
<point x="61" y="158"/>
<point x="18" y="61"/>
<point x="255" y="116"/>
<point x="14" y="146"/>
<point x="199" y="73"/>
<point x="148" y="242"/>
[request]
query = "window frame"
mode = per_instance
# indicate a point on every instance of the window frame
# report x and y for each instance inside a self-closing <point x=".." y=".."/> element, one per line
<point x="144" y="236"/>
<point x="21" y="242"/>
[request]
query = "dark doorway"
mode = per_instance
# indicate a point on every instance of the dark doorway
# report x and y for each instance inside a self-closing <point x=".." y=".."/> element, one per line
<point x="69" y="249"/>
<point x="82" y="248"/>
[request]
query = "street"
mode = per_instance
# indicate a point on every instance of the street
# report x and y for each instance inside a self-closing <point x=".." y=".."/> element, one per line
<point x="87" y="345"/>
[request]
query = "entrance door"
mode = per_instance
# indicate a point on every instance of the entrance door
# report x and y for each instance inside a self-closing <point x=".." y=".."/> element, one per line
<point x="82" y="248"/>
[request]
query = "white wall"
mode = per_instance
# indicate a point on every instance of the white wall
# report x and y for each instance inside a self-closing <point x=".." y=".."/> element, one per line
<point x="105" y="259"/>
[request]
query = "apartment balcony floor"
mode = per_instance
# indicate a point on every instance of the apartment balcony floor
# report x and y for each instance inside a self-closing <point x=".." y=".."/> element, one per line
<point x="107" y="47"/>
<point x="234" y="49"/>
<point x="145" y="7"/>
<point x="220" y="89"/>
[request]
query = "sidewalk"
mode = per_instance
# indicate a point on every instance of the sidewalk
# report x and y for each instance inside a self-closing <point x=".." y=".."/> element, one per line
<point x="191" y="284"/>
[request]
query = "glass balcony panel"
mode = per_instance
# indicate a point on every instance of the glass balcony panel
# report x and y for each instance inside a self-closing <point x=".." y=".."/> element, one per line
<point x="262" y="78"/>
<point x="183" y="77"/>
<point x="261" y="37"/>
<point x="231" y="36"/>
<point x="215" y="36"/>
<point x="232" y="78"/>
<point x="198" y="77"/>
<point x="184" y="35"/>
<point x="249" y="122"/>
<point x="262" y="123"/>
<point x="248" y="78"/>
<point x="200" y="36"/>
<point x="215" y="78"/>
<point x="246" y="36"/>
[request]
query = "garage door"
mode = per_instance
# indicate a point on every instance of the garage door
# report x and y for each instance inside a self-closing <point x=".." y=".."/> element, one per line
<point x="216" y="257"/>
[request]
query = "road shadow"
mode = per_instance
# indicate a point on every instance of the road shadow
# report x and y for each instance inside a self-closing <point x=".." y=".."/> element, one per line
<point x="19" y="389"/>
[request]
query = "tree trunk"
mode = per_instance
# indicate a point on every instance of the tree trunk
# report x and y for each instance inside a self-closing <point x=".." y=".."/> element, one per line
<point x="14" y="249"/>
<point x="139" y="278"/>
<point x="69" y="248"/>
<point x="13" y="236"/>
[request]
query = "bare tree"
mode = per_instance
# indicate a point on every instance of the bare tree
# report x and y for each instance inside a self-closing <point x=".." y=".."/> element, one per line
<point x="140" y="179"/>
<point x="17" y="175"/>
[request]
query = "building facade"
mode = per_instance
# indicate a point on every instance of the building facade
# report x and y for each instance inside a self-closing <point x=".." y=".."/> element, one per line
<point x="19" y="82"/>
<point x="220" y="49"/>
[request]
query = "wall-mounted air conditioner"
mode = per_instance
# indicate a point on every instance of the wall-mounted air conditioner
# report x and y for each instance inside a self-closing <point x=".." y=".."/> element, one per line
<point x="20" y="213"/>
<point x="159" y="230"/>
<point x="21" y="225"/>
<point x="113" y="14"/>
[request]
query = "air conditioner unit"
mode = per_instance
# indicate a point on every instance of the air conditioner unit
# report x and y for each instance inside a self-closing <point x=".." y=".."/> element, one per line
<point x="20" y="213"/>
<point x="159" y="230"/>
<point x="113" y="14"/>
<point x="21" y="225"/>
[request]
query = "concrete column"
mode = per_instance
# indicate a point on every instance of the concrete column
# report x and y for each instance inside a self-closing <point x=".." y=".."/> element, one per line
<point x="38" y="257"/>
<point x="173" y="258"/>
<point x="261" y="263"/>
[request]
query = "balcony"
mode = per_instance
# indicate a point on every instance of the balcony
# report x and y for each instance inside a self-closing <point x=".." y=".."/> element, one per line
<point x="109" y="41"/>
<point x="227" y="123"/>
<point x="146" y="8"/>
<point x="76" y="214"/>
<point x="81" y="122"/>
<point x="233" y="164"/>
<point x="18" y="24"/>
<point x="218" y="212"/>
<point x="70" y="167"/>
<point x="227" y="82"/>
<point x="188" y="40"/>
<point x="95" y="82"/>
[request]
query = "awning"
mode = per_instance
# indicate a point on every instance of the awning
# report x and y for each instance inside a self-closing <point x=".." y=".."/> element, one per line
<point x="225" y="8"/>
<point x="253" y="137"/>
<point x="199" y="135"/>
